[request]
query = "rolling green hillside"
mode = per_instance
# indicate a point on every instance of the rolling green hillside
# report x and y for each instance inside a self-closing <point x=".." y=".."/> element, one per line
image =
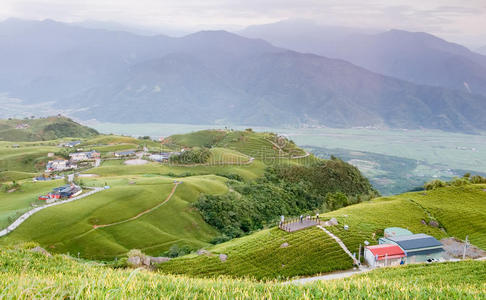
<point x="171" y="222"/>
<point x="29" y="275"/>
<point x="43" y="129"/>
<point x="459" y="210"/>
<point x="263" y="146"/>
<point x="261" y="255"/>
<point x="142" y="210"/>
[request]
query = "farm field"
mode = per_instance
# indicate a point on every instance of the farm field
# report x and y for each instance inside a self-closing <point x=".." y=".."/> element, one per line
<point x="262" y="256"/>
<point x="464" y="215"/>
<point x="443" y="149"/>
<point x="459" y="210"/>
<point x="27" y="274"/>
<point x="366" y="222"/>
<point x="174" y="223"/>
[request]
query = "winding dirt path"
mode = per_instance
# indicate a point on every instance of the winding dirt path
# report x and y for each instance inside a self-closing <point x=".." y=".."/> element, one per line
<point x="143" y="212"/>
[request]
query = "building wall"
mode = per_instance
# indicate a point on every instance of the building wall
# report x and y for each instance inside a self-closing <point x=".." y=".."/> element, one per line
<point x="370" y="259"/>
<point x="412" y="259"/>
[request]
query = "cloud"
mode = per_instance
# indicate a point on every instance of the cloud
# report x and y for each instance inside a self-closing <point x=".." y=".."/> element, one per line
<point x="458" y="19"/>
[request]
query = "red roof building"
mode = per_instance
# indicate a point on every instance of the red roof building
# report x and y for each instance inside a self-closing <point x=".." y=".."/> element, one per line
<point x="384" y="255"/>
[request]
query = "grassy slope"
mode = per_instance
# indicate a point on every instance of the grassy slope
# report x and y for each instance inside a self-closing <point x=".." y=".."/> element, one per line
<point x="28" y="158"/>
<point x="174" y="222"/>
<point x="260" y="256"/>
<point x="12" y="205"/>
<point x="112" y="168"/>
<point x="464" y="213"/>
<point x="27" y="275"/>
<point x="460" y="210"/>
<point x="43" y="129"/>
<point x="366" y="222"/>
<point x="257" y="145"/>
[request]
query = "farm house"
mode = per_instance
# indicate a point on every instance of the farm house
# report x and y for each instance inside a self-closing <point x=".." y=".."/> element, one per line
<point x="62" y="192"/>
<point x="384" y="255"/>
<point x="417" y="247"/>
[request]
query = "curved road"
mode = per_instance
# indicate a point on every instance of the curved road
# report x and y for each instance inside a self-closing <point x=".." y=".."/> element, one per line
<point x="28" y="214"/>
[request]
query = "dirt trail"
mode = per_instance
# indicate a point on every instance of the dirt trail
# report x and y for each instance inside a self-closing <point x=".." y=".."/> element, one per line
<point x="143" y="212"/>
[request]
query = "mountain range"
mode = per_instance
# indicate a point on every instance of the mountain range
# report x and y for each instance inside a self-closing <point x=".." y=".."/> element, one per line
<point x="217" y="77"/>
<point x="417" y="57"/>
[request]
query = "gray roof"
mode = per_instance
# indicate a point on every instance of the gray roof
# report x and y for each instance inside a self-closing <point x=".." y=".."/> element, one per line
<point x="415" y="241"/>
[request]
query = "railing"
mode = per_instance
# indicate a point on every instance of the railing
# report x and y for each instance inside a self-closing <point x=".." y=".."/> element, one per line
<point x="293" y="223"/>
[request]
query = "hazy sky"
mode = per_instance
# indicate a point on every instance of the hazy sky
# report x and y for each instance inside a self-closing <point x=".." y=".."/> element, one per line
<point x="461" y="21"/>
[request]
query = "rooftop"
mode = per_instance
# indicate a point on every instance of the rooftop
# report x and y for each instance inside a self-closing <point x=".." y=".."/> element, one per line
<point x="415" y="241"/>
<point x="386" y="251"/>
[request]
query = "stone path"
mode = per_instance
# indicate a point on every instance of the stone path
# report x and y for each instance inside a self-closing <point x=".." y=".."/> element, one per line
<point x="338" y="240"/>
<point x="28" y="214"/>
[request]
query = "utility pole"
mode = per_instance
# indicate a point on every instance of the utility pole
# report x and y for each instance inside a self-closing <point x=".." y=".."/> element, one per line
<point x="359" y="254"/>
<point x="466" y="245"/>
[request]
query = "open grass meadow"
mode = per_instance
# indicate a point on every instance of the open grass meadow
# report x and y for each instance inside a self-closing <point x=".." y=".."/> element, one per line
<point x="27" y="157"/>
<point x="27" y="275"/>
<point x="264" y="255"/>
<point x="70" y="227"/>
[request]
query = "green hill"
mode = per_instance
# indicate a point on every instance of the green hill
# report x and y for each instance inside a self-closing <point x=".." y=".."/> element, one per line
<point x="30" y="275"/>
<point x="170" y="223"/>
<point x="262" y="256"/>
<point x="459" y="210"/>
<point x="255" y="144"/>
<point x="231" y="169"/>
<point x="42" y="129"/>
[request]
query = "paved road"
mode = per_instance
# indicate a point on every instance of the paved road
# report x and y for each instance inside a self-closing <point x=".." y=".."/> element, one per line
<point x="331" y="276"/>
<point x="28" y="214"/>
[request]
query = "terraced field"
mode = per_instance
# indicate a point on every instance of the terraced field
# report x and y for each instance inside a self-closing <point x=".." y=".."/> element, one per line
<point x="264" y="255"/>
<point x="463" y="213"/>
<point x="32" y="275"/>
<point x="173" y="223"/>
<point x="366" y="222"/>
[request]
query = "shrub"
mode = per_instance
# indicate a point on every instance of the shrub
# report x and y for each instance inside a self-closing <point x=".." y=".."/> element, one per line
<point x="434" y="184"/>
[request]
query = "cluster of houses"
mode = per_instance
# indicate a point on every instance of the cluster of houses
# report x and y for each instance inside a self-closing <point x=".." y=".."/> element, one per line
<point x="59" y="165"/>
<point x="62" y="192"/>
<point x="400" y="246"/>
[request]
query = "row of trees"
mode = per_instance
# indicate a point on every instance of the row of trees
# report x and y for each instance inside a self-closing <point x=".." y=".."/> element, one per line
<point x="465" y="180"/>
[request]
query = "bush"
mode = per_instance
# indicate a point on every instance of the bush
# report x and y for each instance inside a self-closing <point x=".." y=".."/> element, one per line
<point x="195" y="156"/>
<point x="434" y="184"/>
<point x="176" y="251"/>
